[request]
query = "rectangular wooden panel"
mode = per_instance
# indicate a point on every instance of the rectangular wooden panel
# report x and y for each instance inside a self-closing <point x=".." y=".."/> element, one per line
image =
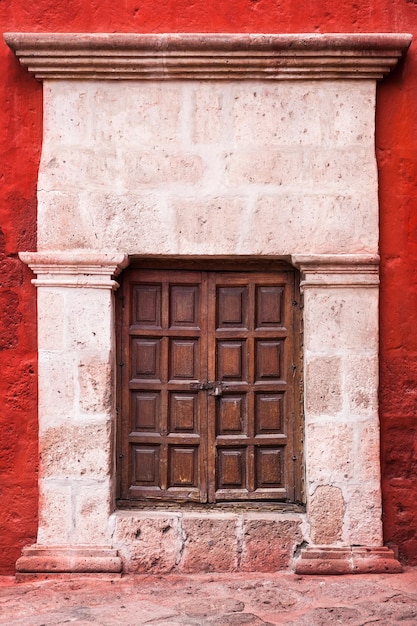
<point x="183" y="466"/>
<point x="231" y="361"/>
<point x="268" y="468"/>
<point x="146" y="361"/>
<point x="182" y="413"/>
<point x="269" y="410"/>
<point x="183" y="359"/>
<point x="184" y="306"/>
<point x="146" y="411"/>
<point x="231" y="466"/>
<point x="231" y="414"/>
<point x="232" y="307"/>
<point x="146" y="309"/>
<point x="268" y="356"/>
<point x="269" y="306"/>
<point x="146" y="465"/>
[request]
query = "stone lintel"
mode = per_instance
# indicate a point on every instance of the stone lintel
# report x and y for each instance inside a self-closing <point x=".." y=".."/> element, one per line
<point x="67" y="559"/>
<point x="350" y="560"/>
<point x="208" y="56"/>
<point x="348" y="270"/>
<point x="79" y="268"/>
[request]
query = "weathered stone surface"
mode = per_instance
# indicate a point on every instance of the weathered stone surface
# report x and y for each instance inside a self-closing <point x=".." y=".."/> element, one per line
<point x="330" y="452"/>
<point x="56" y="386"/>
<point x="85" y="330"/>
<point x="148" y="543"/>
<point x="210" y="544"/>
<point x="245" y="598"/>
<point x="50" y="326"/>
<point x="95" y="384"/>
<point x="204" y="225"/>
<point x="324" y="393"/>
<point x="268" y="544"/>
<point x="275" y="114"/>
<point x="326" y="512"/>
<point x="76" y="451"/>
<point x="354" y="560"/>
<point x="346" y="320"/>
<point x="71" y="230"/>
<point x="93" y="504"/>
<point x="139" y="121"/>
<point x="55" y="513"/>
<point x="57" y="560"/>
<point x="361" y="372"/>
<point x="365" y="512"/>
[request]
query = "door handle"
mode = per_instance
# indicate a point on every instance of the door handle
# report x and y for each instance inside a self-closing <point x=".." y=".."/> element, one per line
<point x="217" y="390"/>
<point x="217" y="387"/>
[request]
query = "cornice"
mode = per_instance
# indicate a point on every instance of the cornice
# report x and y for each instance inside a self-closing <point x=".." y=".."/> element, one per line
<point x="332" y="270"/>
<point x="75" y="268"/>
<point x="184" y="56"/>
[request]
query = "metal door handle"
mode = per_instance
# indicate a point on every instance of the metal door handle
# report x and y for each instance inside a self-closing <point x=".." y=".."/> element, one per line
<point x="217" y="387"/>
<point x="217" y="390"/>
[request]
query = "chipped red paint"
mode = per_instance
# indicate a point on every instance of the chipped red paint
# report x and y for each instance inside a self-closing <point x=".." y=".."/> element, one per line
<point x="396" y="143"/>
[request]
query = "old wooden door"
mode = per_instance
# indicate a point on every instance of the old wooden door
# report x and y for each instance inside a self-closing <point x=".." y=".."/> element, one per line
<point x="209" y="386"/>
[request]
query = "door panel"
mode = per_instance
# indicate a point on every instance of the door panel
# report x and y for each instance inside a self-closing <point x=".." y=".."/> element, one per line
<point x="207" y="386"/>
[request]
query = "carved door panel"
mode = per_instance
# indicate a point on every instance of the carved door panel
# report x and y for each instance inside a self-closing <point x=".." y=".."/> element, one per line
<point x="251" y="355"/>
<point x="207" y="393"/>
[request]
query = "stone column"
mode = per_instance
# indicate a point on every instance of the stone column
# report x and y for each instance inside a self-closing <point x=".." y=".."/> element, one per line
<point x="343" y="486"/>
<point x="76" y="411"/>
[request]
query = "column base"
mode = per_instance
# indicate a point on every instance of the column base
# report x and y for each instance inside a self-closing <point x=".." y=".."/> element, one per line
<point x="38" y="559"/>
<point x="352" y="560"/>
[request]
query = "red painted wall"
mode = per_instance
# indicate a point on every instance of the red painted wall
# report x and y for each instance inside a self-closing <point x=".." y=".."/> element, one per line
<point x="20" y="143"/>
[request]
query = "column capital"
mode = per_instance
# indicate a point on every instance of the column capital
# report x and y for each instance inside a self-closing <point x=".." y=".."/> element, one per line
<point x="75" y="268"/>
<point x="337" y="270"/>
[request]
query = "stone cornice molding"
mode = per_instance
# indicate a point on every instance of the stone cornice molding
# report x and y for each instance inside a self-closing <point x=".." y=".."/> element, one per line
<point x="76" y="268"/>
<point x="349" y="270"/>
<point x="208" y="56"/>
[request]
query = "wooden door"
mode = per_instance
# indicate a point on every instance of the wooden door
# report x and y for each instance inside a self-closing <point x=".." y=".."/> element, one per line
<point x="208" y="386"/>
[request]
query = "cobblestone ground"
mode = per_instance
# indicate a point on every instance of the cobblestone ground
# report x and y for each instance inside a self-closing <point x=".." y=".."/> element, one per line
<point x="220" y="600"/>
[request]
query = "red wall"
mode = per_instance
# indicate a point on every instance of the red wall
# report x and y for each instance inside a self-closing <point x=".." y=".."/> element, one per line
<point x="20" y="137"/>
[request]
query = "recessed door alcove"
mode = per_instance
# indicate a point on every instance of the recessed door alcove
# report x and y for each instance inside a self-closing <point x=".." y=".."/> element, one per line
<point x="201" y="147"/>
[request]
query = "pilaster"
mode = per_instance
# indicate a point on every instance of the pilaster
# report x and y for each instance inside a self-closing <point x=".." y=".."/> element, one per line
<point x="76" y="411"/>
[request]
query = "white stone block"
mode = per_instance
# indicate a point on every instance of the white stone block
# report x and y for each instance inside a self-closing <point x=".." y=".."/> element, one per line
<point x="209" y="225"/>
<point x="68" y="113"/>
<point x="95" y="380"/>
<point x="323" y="394"/>
<point x="341" y="320"/>
<point x="265" y="114"/>
<point x="88" y="319"/>
<point x="363" y="525"/>
<point x="76" y="451"/>
<point x="51" y="312"/>
<point x="56" y="386"/>
<point x="55" y="513"/>
<point x="329" y="452"/>
<point x="136" y="114"/>
<point x="92" y="509"/>
<point x="361" y="385"/>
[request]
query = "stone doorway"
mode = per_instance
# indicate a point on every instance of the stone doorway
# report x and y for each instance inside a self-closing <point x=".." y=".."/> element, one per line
<point x="213" y="146"/>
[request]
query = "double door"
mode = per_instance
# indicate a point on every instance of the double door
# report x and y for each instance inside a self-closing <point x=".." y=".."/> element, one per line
<point x="209" y="386"/>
